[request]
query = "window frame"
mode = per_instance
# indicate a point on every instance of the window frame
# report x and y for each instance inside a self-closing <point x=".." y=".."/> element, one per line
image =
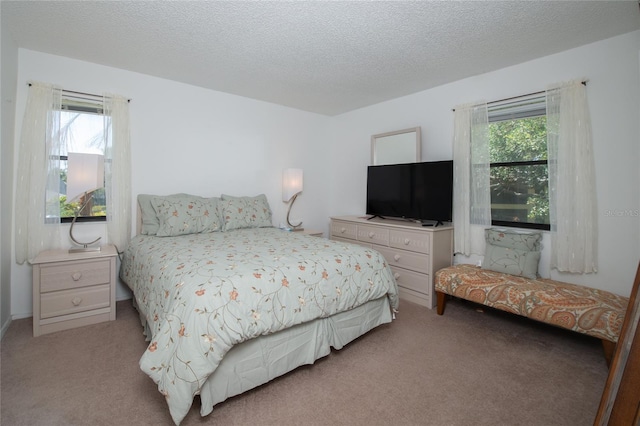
<point x="518" y="108"/>
<point x="85" y="106"/>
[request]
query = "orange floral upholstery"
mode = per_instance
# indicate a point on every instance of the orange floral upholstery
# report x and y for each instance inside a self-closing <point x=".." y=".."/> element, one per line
<point x="597" y="313"/>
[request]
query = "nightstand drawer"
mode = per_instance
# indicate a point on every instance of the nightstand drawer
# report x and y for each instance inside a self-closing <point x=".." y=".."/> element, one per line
<point x="77" y="300"/>
<point x="74" y="275"/>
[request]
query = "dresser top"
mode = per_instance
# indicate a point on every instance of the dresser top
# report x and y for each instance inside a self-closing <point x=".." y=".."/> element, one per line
<point x="396" y="223"/>
<point x="63" y="255"/>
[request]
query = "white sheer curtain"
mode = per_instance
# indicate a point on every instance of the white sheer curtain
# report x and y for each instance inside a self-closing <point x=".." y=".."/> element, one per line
<point x="34" y="232"/>
<point x="572" y="190"/>
<point x="38" y="194"/>
<point x="117" y="170"/>
<point x="471" y="196"/>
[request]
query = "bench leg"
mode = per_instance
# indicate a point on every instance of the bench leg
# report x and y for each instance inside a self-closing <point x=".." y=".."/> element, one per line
<point x="609" y="350"/>
<point x="441" y="302"/>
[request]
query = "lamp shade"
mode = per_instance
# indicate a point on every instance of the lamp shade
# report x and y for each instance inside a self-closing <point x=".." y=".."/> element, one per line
<point x="291" y="183"/>
<point x="85" y="173"/>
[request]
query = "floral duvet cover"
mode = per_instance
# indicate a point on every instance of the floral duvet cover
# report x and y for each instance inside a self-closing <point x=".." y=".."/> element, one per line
<point x="201" y="294"/>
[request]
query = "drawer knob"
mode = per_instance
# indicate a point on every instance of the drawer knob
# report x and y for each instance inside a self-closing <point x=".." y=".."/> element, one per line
<point x="396" y="257"/>
<point x="343" y="230"/>
<point x="76" y="276"/>
<point x="76" y="301"/>
<point x="396" y="275"/>
<point x="406" y="241"/>
<point x="372" y="234"/>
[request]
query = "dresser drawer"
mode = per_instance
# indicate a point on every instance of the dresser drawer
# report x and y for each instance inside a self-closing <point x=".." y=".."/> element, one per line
<point x="373" y="234"/>
<point x="71" y="275"/>
<point x="412" y="280"/>
<point x="66" y="302"/>
<point x="344" y="230"/>
<point x="406" y="259"/>
<point x="414" y="241"/>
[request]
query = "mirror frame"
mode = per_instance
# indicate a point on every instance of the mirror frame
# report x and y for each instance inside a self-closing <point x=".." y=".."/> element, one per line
<point x="411" y="145"/>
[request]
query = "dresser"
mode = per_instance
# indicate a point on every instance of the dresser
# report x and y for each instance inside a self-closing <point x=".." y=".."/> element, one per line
<point x="413" y="251"/>
<point x="73" y="289"/>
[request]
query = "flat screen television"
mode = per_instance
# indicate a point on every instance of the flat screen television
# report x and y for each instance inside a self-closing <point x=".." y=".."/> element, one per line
<point x="414" y="191"/>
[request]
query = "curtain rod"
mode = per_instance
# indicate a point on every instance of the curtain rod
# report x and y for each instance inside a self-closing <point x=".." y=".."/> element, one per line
<point x="520" y="96"/>
<point x="82" y="93"/>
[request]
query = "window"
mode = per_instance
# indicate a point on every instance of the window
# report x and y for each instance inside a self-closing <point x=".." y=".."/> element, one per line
<point x="81" y="127"/>
<point x="519" y="178"/>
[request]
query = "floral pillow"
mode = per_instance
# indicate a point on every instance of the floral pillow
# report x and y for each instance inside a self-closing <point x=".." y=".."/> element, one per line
<point x="150" y="221"/>
<point x="245" y="212"/>
<point x="181" y="216"/>
<point x="512" y="261"/>
<point x="516" y="240"/>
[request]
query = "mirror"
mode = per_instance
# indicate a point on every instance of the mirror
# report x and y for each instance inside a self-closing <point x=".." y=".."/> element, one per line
<point x="402" y="146"/>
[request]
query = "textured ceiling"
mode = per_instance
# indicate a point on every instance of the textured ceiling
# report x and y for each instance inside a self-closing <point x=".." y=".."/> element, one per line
<point x="325" y="57"/>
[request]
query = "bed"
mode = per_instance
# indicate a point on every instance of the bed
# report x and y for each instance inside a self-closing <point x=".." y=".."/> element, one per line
<point x="228" y="302"/>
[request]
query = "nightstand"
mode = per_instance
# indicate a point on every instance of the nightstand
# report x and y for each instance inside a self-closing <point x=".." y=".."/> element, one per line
<point x="312" y="232"/>
<point x="73" y="289"/>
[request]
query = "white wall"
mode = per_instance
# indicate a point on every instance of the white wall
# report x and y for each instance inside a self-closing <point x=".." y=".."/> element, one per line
<point x="8" y="77"/>
<point x="188" y="139"/>
<point x="613" y="90"/>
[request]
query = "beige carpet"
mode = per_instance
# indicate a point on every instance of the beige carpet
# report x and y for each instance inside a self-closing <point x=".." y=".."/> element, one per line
<point x="463" y="368"/>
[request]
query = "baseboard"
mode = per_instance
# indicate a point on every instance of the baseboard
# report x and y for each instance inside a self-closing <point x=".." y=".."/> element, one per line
<point x="5" y="327"/>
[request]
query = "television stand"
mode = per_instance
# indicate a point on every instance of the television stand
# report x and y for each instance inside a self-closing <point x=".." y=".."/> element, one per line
<point x="374" y="216"/>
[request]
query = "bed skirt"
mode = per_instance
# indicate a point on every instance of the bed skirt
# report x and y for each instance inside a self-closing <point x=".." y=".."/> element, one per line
<point x="257" y="361"/>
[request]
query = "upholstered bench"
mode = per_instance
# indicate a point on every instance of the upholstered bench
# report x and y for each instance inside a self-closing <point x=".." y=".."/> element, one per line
<point x="590" y="311"/>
